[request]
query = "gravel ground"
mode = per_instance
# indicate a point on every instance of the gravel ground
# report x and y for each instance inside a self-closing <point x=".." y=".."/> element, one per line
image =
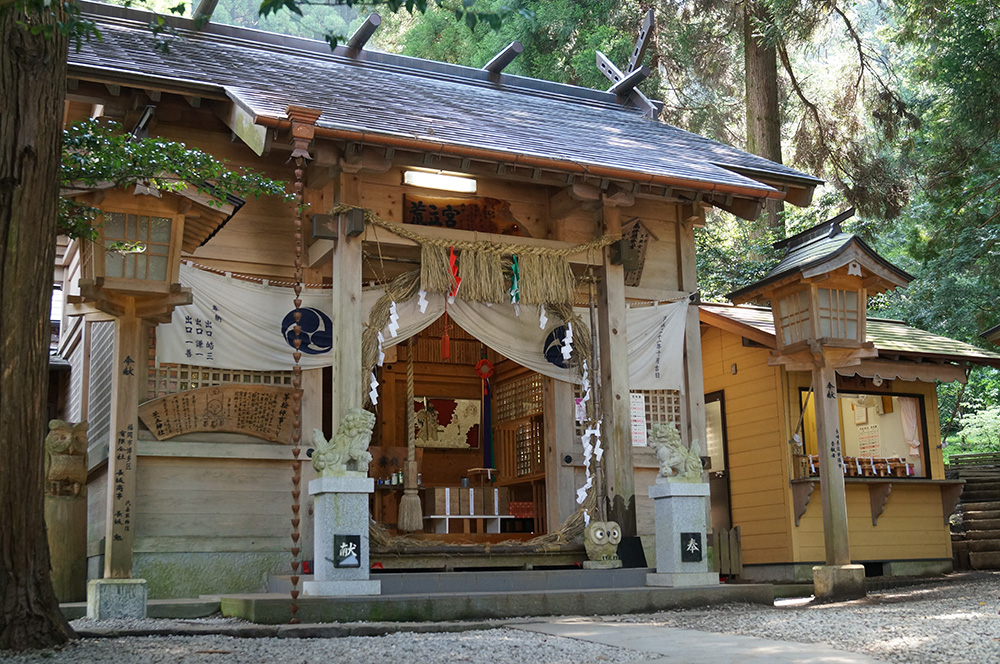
<point x="494" y="645"/>
<point x="948" y="621"/>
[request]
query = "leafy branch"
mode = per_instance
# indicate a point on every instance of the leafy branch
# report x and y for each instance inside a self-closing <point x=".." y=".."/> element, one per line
<point x="98" y="154"/>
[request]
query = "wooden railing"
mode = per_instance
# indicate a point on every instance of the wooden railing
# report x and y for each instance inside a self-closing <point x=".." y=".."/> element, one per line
<point x="980" y="459"/>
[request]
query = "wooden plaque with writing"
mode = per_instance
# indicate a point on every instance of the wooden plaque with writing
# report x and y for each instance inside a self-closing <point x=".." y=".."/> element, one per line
<point x="257" y="410"/>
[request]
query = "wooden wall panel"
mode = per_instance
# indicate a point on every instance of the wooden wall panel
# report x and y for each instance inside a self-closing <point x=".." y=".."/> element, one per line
<point x="757" y="461"/>
<point x="205" y="504"/>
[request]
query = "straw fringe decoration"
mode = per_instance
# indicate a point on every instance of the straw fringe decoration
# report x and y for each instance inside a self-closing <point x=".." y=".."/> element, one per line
<point x="482" y="277"/>
<point x="435" y="271"/>
<point x="400" y="289"/>
<point x="545" y="273"/>
<point x="545" y="279"/>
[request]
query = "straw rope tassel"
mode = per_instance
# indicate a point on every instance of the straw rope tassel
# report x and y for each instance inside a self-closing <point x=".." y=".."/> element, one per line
<point x="411" y="517"/>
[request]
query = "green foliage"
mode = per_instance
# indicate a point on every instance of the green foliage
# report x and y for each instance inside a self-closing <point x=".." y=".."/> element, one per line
<point x="96" y="154"/>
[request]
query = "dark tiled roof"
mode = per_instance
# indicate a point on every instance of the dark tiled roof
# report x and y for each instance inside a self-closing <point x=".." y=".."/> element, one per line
<point x="890" y="337"/>
<point x="407" y="98"/>
<point x="813" y="247"/>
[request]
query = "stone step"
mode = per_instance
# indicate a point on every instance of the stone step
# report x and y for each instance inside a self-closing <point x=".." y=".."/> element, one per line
<point x="981" y="534"/>
<point x="980" y="515"/>
<point x="959" y="545"/>
<point x="976" y="496"/>
<point x="984" y="545"/>
<point x="980" y="507"/>
<point x="984" y="559"/>
<point x="982" y="483"/>
<point x="981" y="524"/>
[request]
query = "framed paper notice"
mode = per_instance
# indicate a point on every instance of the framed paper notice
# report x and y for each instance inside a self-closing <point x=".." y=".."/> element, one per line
<point x="638" y="403"/>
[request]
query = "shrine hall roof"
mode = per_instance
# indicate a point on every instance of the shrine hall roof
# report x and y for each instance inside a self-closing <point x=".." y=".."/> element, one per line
<point x="892" y="338"/>
<point x="436" y="106"/>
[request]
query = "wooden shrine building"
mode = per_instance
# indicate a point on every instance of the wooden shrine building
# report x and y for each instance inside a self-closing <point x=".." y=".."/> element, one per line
<point x="762" y="434"/>
<point x="519" y="300"/>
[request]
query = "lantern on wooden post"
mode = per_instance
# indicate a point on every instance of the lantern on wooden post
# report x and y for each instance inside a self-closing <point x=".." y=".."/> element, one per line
<point x="131" y="273"/>
<point x="818" y="294"/>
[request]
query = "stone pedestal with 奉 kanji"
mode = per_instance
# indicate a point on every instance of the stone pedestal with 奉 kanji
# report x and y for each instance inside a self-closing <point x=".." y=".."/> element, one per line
<point x="681" y="559"/>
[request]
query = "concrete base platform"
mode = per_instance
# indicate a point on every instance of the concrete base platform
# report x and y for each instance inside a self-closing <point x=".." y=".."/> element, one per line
<point x="156" y="608"/>
<point x="274" y="609"/>
<point x="682" y="580"/>
<point x="340" y="588"/>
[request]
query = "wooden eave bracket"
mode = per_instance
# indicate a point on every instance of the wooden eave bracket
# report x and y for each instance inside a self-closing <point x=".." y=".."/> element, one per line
<point x="878" y="494"/>
<point x="801" y="494"/>
<point x="950" y="495"/>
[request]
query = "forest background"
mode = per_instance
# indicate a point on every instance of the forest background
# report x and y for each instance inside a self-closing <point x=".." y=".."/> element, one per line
<point x="894" y="102"/>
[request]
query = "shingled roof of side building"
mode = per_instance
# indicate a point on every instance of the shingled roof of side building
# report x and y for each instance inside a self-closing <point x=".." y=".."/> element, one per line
<point x="397" y="100"/>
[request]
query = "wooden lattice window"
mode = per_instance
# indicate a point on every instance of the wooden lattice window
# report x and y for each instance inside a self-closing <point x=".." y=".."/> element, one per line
<point x="838" y="313"/>
<point x="793" y="312"/>
<point x="166" y="378"/>
<point x="518" y="398"/>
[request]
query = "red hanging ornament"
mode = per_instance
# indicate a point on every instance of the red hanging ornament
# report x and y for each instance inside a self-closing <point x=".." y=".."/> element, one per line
<point x="453" y="262"/>
<point x="445" y="339"/>
<point x="484" y="368"/>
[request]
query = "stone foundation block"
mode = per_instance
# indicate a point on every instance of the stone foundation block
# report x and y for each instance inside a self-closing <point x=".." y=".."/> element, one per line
<point x="108" y="599"/>
<point x="839" y="582"/>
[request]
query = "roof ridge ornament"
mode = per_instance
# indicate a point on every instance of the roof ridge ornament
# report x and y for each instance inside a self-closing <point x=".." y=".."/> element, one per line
<point x="364" y="32"/>
<point x="623" y="84"/>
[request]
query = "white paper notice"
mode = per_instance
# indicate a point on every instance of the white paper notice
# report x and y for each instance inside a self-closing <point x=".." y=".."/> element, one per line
<point x="638" y="402"/>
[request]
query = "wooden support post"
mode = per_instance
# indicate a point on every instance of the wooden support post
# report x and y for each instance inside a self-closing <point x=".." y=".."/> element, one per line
<point x="130" y="363"/>
<point x="558" y="406"/>
<point x="347" y="378"/>
<point x="615" y="403"/>
<point x="694" y="399"/>
<point x="831" y="471"/>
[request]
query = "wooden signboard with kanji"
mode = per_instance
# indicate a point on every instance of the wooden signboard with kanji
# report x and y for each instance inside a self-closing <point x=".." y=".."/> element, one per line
<point x="485" y="215"/>
<point x="258" y="410"/>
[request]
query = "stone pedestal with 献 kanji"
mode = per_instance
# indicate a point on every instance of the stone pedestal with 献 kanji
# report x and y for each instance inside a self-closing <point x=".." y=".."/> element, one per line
<point x="341" y="537"/>
<point x="679" y="511"/>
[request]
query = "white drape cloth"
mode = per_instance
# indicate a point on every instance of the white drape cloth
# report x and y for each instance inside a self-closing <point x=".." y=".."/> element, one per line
<point x="235" y="324"/>
<point x="909" y="408"/>
<point x="656" y="346"/>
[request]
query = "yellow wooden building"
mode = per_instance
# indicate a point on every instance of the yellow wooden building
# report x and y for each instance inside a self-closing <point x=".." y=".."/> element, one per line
<point x="761" y="436"/>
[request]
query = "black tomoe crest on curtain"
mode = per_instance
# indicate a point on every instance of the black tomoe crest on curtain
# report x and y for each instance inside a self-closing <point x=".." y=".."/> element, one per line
<point x="553" y="346"/>
<point x="317" y="330"/>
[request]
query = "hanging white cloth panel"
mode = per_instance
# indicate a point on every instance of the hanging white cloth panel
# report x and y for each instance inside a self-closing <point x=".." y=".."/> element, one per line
<point x="236" y="324"/>
<point x="656" y="346"/>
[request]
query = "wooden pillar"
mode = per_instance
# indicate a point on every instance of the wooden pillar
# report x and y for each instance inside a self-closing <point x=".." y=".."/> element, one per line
<point x="347" y="378"/>
<point x="831" y="471"/>
<point x="615" y="403"/>
<point x="694" y="384"/>
<point x="558" y="406"/>
<point x="129" y="368"/>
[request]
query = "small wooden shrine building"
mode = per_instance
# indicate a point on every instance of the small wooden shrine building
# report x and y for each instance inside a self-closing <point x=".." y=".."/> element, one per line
<point x="567" y="215"/>
<point x="761" y="430"/>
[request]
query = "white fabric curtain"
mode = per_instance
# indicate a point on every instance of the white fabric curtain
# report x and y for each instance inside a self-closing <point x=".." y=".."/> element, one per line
<point x="656" y="346"/>
<point x="518" y="337"/>
<point x="909" y="408"/>
<point x="235" y="324"/>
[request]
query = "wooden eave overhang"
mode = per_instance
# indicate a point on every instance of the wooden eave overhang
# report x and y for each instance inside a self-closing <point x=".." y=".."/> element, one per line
<point x="202" y="220"/>
<point x="992" y="335"/>
<point x="940" y="362"/>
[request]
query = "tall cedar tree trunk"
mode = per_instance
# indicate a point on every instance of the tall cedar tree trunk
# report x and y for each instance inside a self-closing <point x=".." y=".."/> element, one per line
<point x="32" y="88"/>
<point x="763" y="116"/>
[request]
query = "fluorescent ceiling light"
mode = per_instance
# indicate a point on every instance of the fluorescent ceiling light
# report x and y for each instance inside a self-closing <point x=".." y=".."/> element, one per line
<point x="439" y="180"/>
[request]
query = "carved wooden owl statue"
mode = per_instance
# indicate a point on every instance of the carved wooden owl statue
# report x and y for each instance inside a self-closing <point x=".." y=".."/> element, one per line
<point x="601" y="538"/>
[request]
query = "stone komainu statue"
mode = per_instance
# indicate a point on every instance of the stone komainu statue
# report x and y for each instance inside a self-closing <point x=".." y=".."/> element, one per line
<point x="65" y="458"/>
<point x="677" y="463"/>
<point x="348" y="450"/>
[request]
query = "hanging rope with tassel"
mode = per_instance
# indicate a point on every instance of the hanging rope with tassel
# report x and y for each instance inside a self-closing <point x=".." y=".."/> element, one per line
<point x="411" y="517"/>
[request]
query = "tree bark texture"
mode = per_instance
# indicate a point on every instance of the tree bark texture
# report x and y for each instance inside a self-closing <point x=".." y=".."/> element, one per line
<point x="763" y="115"/>
<point x="32" y="89"/>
